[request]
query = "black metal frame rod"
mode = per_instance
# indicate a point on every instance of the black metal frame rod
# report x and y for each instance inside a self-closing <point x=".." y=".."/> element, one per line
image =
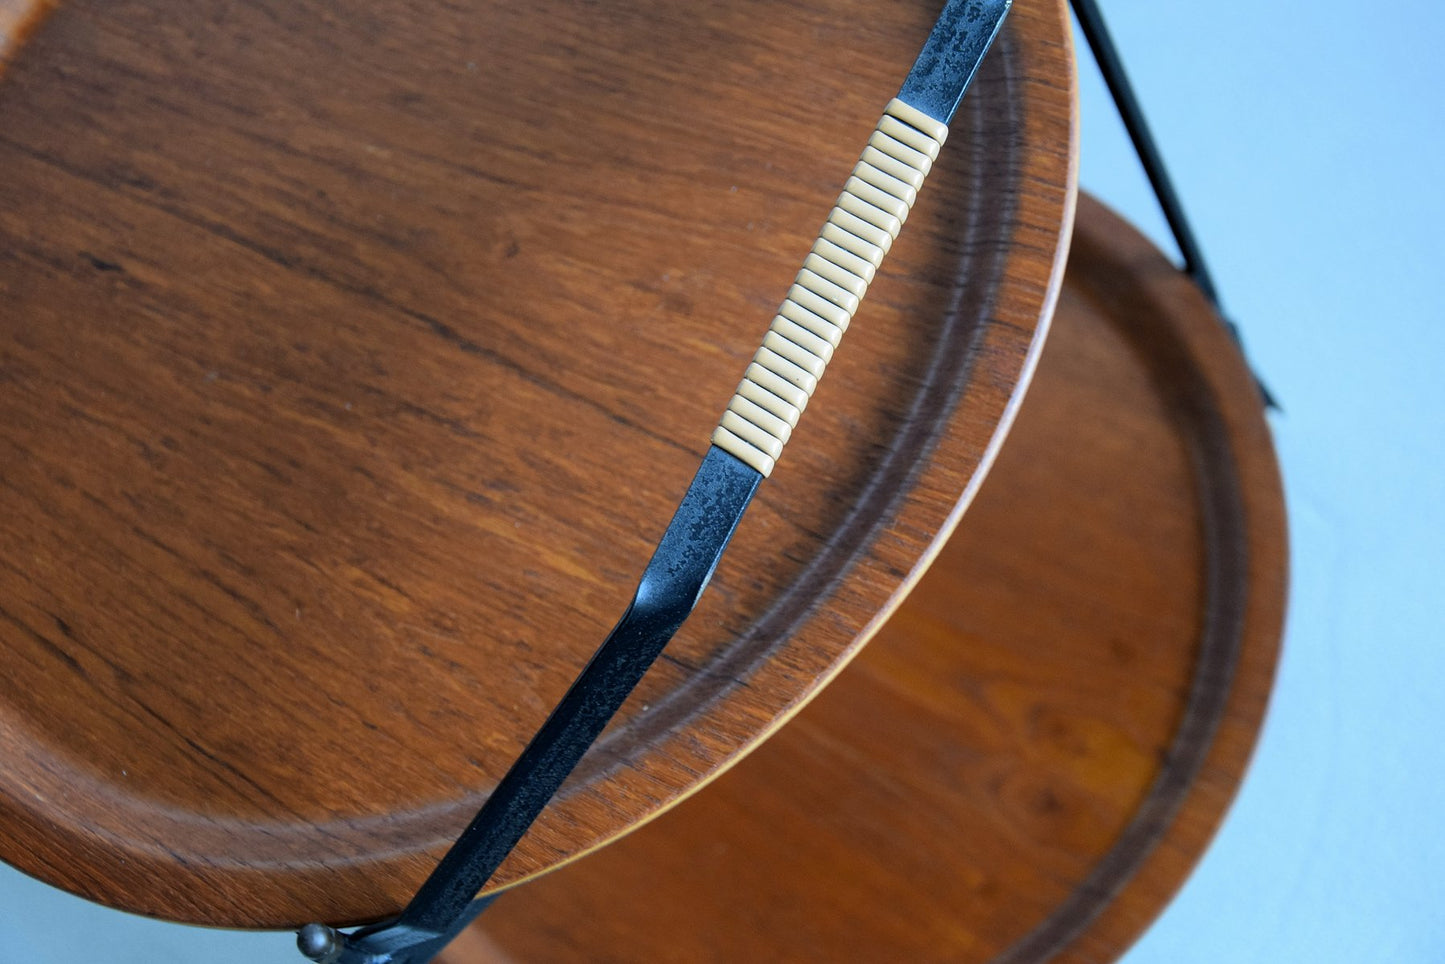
<point x="700" y="530"/>
<point x="670" y="586"/>
<point x="1106" y="55"/>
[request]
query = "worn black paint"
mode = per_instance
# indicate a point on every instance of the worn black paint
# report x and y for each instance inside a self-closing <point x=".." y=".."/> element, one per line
<point x="950" y="57"/>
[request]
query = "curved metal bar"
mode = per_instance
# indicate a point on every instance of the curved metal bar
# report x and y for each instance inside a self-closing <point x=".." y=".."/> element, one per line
<point x="669" y="589"/>
<point x="670" y="586"/>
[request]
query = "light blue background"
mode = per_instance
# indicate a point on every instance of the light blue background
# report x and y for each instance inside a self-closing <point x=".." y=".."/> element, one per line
<point x="1307" y="142"/>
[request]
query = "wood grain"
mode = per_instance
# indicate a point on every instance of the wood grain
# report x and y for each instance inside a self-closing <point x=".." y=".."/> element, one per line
<point x="351" y="363"/>
<point x="1032" y="753"/>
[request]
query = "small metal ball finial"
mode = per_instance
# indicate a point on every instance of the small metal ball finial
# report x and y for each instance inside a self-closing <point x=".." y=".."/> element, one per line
<point x="319" y="942"/>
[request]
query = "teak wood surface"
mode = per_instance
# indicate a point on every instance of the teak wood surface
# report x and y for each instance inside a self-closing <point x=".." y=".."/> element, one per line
<point x="1027" y="760"/>
<point x="351" y="362"/>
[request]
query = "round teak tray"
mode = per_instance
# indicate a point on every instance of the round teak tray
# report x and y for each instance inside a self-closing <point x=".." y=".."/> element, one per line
<point x="351" y="364"/>
<point x="1030" y="756"/>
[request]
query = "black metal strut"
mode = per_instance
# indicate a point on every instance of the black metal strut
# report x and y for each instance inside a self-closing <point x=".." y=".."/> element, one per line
<point x="671" y="584"/>
<point x="1106" y="55"/>
<point x="669" y="589"/>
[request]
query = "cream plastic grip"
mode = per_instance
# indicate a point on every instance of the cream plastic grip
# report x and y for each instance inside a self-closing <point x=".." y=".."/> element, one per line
<point x="827" y="291"/>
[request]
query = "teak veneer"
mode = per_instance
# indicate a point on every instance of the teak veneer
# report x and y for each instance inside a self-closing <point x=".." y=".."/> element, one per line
<point x="352" y="361"/>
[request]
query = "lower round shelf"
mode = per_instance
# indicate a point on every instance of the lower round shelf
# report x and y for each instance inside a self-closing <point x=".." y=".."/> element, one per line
<point x="1032" y="754"/>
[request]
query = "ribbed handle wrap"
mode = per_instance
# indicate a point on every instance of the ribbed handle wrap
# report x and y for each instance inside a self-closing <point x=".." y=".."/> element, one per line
<point x="827" y="291"/>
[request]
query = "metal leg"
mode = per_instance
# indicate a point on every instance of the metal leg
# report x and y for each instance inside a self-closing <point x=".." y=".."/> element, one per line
<point x="1106" y="55"/>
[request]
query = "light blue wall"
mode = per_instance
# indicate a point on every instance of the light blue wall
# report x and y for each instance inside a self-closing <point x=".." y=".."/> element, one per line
<point x="1307" y="142"/>
<point x="45" y="926"/>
